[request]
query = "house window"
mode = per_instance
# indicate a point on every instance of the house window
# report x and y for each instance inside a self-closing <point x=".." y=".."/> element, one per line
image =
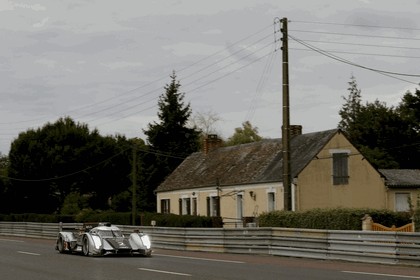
<point x="213" y="206"/>
<point x="185" y="206"/>
<point x="402" y="202"/>
<point x="340" y="168"/>
<point x="165" y="206"/>
<point x="271" y="201"/>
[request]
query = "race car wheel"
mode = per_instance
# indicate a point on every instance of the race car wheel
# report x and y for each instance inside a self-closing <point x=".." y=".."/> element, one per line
<point x="60" y="244"/>
<point x="85" y="246"/>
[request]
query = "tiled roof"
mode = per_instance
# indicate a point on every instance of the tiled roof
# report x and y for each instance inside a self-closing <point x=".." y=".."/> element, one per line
<point x="256" y="162"/>
<point x="401" y="177"/>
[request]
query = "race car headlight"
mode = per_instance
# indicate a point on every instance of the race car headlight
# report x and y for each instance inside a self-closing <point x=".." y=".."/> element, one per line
<point x="146" y="241"/>
<point x="97" y="242"/>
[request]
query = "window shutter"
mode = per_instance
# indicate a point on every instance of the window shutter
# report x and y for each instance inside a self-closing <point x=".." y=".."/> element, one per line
<point x="217" y="206"/>
<point x="208" y="206"/>
<point x="340" y="169"/>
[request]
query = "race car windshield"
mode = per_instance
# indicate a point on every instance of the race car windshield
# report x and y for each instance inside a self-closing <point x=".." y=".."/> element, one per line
<point x="110" y="233"/>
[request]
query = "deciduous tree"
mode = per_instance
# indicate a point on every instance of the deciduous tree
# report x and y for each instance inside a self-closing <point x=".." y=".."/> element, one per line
<point x="49" y="163"/>
<point x="386" y="136"/>
<point x="245" y="134"/>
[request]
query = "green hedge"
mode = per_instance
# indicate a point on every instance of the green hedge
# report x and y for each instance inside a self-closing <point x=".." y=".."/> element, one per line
<point x="416" y="219"/>
<point x="334" y="219"/>
<point x="145" y="219"/>
<point x="36" y="218"/>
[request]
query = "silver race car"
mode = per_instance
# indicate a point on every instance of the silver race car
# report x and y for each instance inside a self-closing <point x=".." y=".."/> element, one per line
<point x="101" y="240"/>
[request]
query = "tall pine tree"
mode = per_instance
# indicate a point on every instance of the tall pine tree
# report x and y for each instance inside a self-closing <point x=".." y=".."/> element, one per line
<point x="351" y="110"/>
<point x="170" y="140"/>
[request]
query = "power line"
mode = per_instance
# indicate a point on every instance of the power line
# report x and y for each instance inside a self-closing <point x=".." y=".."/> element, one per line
<point x="207" y="67"/>
<point x="259" y="89"/>
<point x="359" y="44"/>
<point x="355" y="35"/>
<point x="357" y="25"/>
<point x="204" y="68"/>
<point x="229" y="46"/>
<point x="229" y="73"/>
<point x="231" y="55"/>
<point x="325" y="53"/>
<point x="66" y="175"/>
<point x="207" y="75"/>
<point x="149" y="151"/>
<point x="229" y="64"/>
<point x="154" y="81"/>
<point x="113" y="106"/>
<point x="192" y="83"/>
<point x="200" y="86"/>
<point x="372" y="54"/>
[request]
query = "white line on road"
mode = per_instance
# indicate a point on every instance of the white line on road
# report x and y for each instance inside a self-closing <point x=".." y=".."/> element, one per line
<point x="166" y="272"/>
<point x="29" y="253"/>
<point x="12" y="240"/>
<point x="201" y="259"/>
<point x="380" y="274"/>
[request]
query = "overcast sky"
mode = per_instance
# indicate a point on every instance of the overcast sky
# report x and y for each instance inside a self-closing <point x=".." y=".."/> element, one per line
<point x="105" y="63"/>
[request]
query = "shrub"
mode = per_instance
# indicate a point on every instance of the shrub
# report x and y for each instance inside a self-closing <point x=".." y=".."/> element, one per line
<point x="36" y="218"/>
<point x="118" y="218"/>
<point x="172" y="220"/>
<point x="333" y="219"/>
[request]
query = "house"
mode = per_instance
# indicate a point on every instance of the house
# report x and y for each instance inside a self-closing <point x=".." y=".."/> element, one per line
<point x="242" y="181"/>
<point x="403" y="187"/>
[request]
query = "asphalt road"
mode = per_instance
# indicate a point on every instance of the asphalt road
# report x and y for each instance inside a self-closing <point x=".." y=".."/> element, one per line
<point x="33" y="259"/>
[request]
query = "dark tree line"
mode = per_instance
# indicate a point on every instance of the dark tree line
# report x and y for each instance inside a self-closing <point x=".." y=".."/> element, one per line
<point x="389" y="137"/>
<point x="64" y="167"/>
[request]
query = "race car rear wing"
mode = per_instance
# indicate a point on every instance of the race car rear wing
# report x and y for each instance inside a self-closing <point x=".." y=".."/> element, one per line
<point x="80" y="227"/>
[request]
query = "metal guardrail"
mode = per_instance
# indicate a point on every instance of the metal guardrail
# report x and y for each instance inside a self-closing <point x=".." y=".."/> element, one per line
<point x="361" y="246"/>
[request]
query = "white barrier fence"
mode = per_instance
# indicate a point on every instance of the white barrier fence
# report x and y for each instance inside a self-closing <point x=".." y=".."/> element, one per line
<point x="361" y="246"/>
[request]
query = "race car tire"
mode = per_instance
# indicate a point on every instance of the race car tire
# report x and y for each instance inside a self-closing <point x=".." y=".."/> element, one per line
<point x="85" y="246"/>
<point x="60" y="244"/>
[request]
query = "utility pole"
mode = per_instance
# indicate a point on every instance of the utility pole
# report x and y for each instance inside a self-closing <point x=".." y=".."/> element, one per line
<point x="286" y="119"/>
<point x="134" y="185"/>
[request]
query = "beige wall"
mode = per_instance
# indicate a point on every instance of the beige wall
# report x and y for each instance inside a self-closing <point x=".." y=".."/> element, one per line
<point x="414" y="195"/>
<point x="365" y="189"/>
<point x="254" y="200"/>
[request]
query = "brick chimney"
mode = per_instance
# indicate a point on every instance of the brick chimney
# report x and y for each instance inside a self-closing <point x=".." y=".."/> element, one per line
<point x="295" y="130"/>
<point x="211" y="142"/>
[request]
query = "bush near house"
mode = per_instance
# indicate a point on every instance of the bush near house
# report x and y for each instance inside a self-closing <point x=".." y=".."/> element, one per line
<point x="36" y="218"/>
<point x="416" y="219"/>
<point x="119" y="218"/>
<point x="333" y="219"/>
<point x="146" y="218"/>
